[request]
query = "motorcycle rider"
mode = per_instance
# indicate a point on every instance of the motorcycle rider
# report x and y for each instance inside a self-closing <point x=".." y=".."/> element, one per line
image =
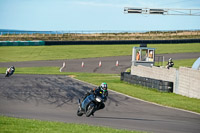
<point x="10" y="70"/>
<point x="100" y="90"/>
<point x="170" y="63"/>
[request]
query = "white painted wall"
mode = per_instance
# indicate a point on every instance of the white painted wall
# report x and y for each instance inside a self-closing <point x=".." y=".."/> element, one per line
<point x="186" y="80"/>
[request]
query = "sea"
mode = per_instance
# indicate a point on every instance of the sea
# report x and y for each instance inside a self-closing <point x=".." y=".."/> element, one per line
<point x="12" y="31"/>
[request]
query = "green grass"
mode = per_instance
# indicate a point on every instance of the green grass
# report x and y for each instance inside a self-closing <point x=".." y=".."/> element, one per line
<point x="113" y="80"/>
<point x="30" y="53"/>
<point x="175" y="48"/>
<point x="18" y="125"/>
<point x="184" y="63"/>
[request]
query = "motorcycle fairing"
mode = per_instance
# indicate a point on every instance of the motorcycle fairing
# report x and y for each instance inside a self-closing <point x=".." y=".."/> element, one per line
<point x="87" y="101"/>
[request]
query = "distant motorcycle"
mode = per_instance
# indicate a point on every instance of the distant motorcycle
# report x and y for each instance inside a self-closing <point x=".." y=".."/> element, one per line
<point x="89" y="105"/>
<point x="10" y="71"/>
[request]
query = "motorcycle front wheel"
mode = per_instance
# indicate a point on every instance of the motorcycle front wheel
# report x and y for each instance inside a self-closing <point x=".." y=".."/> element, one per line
<point x="90" y="110"/>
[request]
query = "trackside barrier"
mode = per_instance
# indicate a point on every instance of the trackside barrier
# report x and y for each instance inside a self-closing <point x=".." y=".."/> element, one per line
<point x="109" y="42"/>
<point x="162" y="86"/>
<point x="22" y="43"/>
<point x="186" y="80"/>
<point x="113" y="42"/>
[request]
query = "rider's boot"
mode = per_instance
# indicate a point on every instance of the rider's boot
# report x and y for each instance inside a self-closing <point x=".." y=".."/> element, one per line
<point x="79" y="105"/>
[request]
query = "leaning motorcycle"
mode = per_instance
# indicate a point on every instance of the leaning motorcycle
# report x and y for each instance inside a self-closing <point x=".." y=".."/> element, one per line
<point x="89" y="105"/>
<point x="10" y="71"/>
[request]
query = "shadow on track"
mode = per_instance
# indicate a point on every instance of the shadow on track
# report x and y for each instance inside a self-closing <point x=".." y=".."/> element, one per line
<point x="44" y="89"/>
<point x="57" y="90"/>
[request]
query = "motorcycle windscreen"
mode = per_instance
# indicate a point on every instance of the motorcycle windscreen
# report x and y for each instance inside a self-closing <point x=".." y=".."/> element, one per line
<point x="87" y="101"/>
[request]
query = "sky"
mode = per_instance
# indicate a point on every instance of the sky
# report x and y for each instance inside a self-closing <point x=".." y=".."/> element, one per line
<point x="85" y="15"/>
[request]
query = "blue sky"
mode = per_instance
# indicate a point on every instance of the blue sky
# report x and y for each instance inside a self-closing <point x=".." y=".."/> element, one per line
<point x="69" y="15"/>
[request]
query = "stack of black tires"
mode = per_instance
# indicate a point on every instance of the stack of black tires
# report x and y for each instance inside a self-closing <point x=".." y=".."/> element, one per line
<point x="163" y="86"/>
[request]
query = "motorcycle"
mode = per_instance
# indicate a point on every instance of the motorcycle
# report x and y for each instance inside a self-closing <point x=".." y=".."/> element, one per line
<point x="10" y="71"/>
<point x="89" y="105"/>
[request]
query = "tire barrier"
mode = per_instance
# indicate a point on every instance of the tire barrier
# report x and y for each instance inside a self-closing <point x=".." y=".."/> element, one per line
<point x="160" y="85"/>
<point x="113" y="42"/>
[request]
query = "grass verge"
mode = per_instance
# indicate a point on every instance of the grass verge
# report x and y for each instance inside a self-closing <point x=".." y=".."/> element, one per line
<point x="178" y="63"/>
<point x="30" y="53"/>
<point x="8" y="124"/>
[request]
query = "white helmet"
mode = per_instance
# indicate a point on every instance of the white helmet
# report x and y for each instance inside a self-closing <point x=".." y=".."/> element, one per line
<point x="104" y="86"/>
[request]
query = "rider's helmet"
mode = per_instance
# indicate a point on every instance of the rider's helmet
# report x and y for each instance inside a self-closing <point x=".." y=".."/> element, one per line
<point x="104" y="87"/>
<point x="170" y="59"/>
<point x="12" y="67"/>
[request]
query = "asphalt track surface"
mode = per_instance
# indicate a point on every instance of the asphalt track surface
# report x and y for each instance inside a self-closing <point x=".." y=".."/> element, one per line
<point x="54" y="98"/>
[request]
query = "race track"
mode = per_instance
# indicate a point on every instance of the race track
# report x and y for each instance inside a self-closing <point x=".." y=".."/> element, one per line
<point x="91" y="65"/>
<point x="54" y="98"/>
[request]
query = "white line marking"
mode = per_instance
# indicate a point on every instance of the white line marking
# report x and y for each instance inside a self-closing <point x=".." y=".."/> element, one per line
<point x="62" y="67"/>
